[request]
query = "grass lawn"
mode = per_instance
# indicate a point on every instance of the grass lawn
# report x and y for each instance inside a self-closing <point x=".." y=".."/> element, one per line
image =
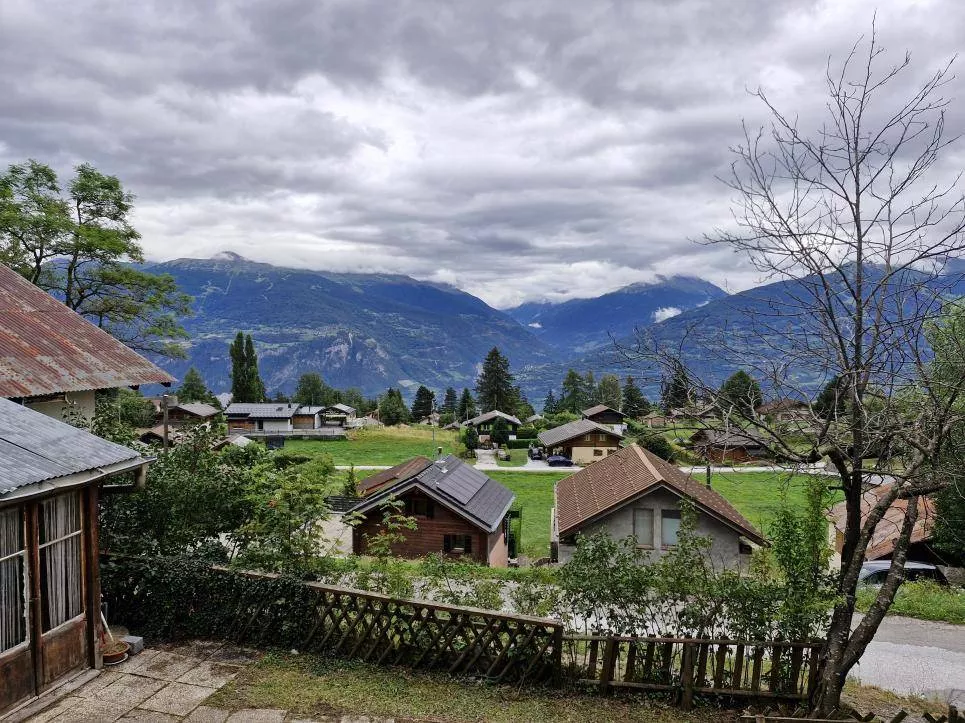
<point x="924" y="600"/>
<point x="387" y="446"/>
<point x="534" y="495"/>
<point x="517" y="459"/>
<point x="307" y="685"/>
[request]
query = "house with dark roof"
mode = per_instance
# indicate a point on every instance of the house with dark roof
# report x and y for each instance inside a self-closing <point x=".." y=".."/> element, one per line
<point x="484" y="423"/>
<point x="734" y="445"/>
<point x="582" y="441"/>
<point x="260" y="417"/>
<point x="191" y="413"/>
<point x="602" y="414"/>
<point x="459" y="511"/>
<point x="881" y="546"/>
<point x="786" y="410"/>
<point x="53" y="360"/>
<point x="51" y="477"/>
<point x="634" y="493"/>
<point x="337" y="415"/>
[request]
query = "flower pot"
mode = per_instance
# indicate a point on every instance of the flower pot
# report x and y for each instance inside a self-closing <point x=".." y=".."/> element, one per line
<point x="115" y="652"/>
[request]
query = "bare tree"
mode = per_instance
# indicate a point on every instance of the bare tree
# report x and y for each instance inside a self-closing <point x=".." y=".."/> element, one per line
<point x="850" y="218"/>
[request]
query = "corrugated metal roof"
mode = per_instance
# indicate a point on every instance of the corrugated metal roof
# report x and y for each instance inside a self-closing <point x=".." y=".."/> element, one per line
<point x="46" y="348"/>
<point x="608" y="484"/>
<point x="35" y="448"/>
<point x="464" y="488"/>
<point x="263" y="410"/>
<point x="565" y="432"/>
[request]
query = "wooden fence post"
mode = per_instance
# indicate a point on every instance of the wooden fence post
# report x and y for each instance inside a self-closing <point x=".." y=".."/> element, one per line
<point x="687" y="676"/>
<point x="610" y="650"/>
<point x="558" y="656"/>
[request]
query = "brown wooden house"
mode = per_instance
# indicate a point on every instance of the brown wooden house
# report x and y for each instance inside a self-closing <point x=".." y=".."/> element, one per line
<point x="736" y="446"/>
<point x="459" y="511"/>
<point x="50" y="480"/>
<point x="583" y="441"/>
<point x="191" y="413"/>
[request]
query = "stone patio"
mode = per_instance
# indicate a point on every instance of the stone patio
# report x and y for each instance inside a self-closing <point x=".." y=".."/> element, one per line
<point x="159" y="686"/>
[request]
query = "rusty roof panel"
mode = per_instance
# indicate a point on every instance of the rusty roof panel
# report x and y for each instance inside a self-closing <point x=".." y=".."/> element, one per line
<point x="47" y="348"/>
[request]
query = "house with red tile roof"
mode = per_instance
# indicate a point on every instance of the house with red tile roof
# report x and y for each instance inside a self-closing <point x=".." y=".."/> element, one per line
<point x="633" y="492"/>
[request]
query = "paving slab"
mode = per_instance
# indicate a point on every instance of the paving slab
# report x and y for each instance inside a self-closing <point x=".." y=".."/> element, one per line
<point x="86" y="710"/>
<point x="164" y="666"/>
<point x="149" y="716"/>
<point x="177" y="698"/>
<point x="99" y="683"/>
<point x="131" y="690"/>
<point x="258" y="715"/>
<point x="201" y="649"/>
<point x="210" y="674"/>
<point x="206" y="714"/>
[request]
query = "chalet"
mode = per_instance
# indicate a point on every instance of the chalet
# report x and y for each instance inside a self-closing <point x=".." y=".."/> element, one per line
<point x="484" y="422"/>
<point x="338" y="415"/>
<point x="460" y="512"/>
<point x="785" y="410"/>
<point x="307" y="417"/>
<point x="533" y="419"/>
<point x="53" y="360"/>
<point x="656" y="419"/>
<point x="191" y="413"/>
<point x="602" y="414"/>
<point x="635" y="493"/>
<point x="260" y="417"/>
<point x="582" y="441"/>
<point x="881" y="546"/>
<point x="738" y="445"/>
<point x="50" y="480"/>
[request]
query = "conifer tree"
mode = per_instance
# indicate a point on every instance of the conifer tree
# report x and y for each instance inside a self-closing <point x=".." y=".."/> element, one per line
<point x="466" y="409"/>
<point x="246" y="384"/>
<point x="494" y="388"/>
<point x="423" y="403"/>
<point x="550" y="405"/>
<point x="450" y="401"/>
<point x="635" y="405"/>
<point x="193" y="388"/>
<point x="608" y="391"/>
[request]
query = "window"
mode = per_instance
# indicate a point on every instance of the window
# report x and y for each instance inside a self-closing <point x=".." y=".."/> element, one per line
<point x="13" y="579"/>
<point x="419" y="507"/>
<point x="601" y="437"/>
<point x="60" y="560"/>
<point x="597" y="452"/>
<point x="588" y="438"/>
<point x="643" y="526"/>
<point x="457" y="544"/>
<point x="669" y="527"/>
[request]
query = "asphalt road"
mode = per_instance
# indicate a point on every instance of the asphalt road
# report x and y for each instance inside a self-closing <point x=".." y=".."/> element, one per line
<point x="916" y="657"/>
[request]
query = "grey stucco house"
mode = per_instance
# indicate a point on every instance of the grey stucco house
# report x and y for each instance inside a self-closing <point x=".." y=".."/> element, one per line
<point x="635" y="493"/>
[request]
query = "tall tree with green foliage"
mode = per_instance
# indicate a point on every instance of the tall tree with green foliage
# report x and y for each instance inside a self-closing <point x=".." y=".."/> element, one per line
<point x="742" y="391"/>
<point x="494" y="388"/>
<point x="676" y="389"/>
<point x="246" y="384"/>
<point x="466" y="409"/>
<point x="311" y="390"/>
<point x="79" y="246"/>
<point x="450" y="401"/>
<point x="635" y="405"/>
<point x="392" y="409"/>
<point x="573" y="398"/>
<point x="193" y="389"/>
<point x="550" y="404"/>
<point x="609" y="392"/>
<point x="832" y="401"/>
<point x="423" y="404"/>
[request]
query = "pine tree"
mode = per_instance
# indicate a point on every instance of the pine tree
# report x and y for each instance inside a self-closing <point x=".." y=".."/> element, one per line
<point x="450" y="401"/>
<point x="573" y="398"/>
<point x="392" y="409"/>
<point x="466" y="409"/>
<point x="494" y="388"/>
<point x="675" y="391"/>
<point x="608" y="391"/>
<point x="246" y="384"/>
<point x="635" y="405"/>
<point x="423" y="403"/>
<point x="591" y="394"/>
<point x="256" y="386"/>
<point x="193" y="388"/>
<point x="550" y="405"/>
<point x="742" y="391"/>
<point x="523" y="409"/>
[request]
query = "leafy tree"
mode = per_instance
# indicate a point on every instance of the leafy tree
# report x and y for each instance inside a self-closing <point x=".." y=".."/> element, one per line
<point x="246" y="384"/>
<point x="470" y="439"/>
<point x="609" y="392"/>
<point x="494" y="388"/>
<point x="392" y="409"/>
<point x="193" y="389"/>
<point x="832" y="401"/>
<point x="591" y="392"/>
<point x="354" y="398"/>
<point x="135" y="409"/>
<point x="450" y="401"/>
<point x="311" y="390"/>
<point x="741" y="390"/>
<point x="635" y="405"/>
<point x="550" y="405"/>
<point x="281" y="397"/>
<point x="675" y="389"/>
<point x="659" y="445"/>
<point x="499" y="434"/>
<point x="523" y="408"/>
<point x="80" y="245"/>
<point x="573" y="398"/>
<point x="423" y="403"/>
<point x="466" y="409"/>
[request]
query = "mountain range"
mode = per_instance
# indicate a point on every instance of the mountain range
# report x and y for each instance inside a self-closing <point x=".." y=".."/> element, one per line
<point x="373" y="331"/>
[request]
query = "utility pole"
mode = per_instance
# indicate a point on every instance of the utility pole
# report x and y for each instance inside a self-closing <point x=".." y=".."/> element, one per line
<point x="167" y="400"/>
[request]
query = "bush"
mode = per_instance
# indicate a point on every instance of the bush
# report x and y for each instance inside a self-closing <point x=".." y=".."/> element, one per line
<point x="519" y="444"/>
<point x="526" y="433"/>
<point x="658" y="445"/>
<point x="924" y="599"/>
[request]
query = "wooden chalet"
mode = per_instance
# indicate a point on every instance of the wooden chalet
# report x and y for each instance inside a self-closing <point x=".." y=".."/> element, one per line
<point x="50" y="480"/>
<point x="338" y="415"/>
<point x="191" y="413"/>
<point x="484" y="422"/>
<point x="260" y="417"/>
<point x="459" y="511"/>
<point x="53" y="360"/>
<point x="582" y="441"/>
<point x="718" y="445"/>
<point x="602" y="414"/>
<point x="786" y="410"/>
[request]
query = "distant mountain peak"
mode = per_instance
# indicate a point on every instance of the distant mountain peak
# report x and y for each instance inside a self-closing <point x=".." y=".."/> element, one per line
<point x="227" y="256"/>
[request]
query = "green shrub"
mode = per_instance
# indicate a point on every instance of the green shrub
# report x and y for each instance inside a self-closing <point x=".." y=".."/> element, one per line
<point x="924" y="599"/>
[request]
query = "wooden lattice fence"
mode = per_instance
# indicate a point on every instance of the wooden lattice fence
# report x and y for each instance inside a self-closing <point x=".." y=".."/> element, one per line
<point x="268" y="610"/>
<point x="757" y="669"/>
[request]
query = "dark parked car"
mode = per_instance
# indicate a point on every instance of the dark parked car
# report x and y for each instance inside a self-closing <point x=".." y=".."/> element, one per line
<point x="558" y="460"/>
<point x="535" y="453"/>
<point x="874" y="573"/>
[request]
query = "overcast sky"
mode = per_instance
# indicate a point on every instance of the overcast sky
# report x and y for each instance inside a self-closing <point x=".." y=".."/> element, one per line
<point x="519" y="150"/>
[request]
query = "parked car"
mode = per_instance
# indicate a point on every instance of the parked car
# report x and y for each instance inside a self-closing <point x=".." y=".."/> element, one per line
<point x="558" y="460"/>
<point x="875" y="572"/>
<point x="535" y="453"/>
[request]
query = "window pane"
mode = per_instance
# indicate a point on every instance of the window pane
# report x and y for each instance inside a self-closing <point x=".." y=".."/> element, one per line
<point x="643" y="526"/>
<point x="669" y="526"/>
<point x="59" y="516"/>
<point x="60" y="562"/>
<point x="13" y="622"/>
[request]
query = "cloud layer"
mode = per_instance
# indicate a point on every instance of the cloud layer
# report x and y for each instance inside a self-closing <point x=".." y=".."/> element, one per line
<point x="517" y="149"/>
